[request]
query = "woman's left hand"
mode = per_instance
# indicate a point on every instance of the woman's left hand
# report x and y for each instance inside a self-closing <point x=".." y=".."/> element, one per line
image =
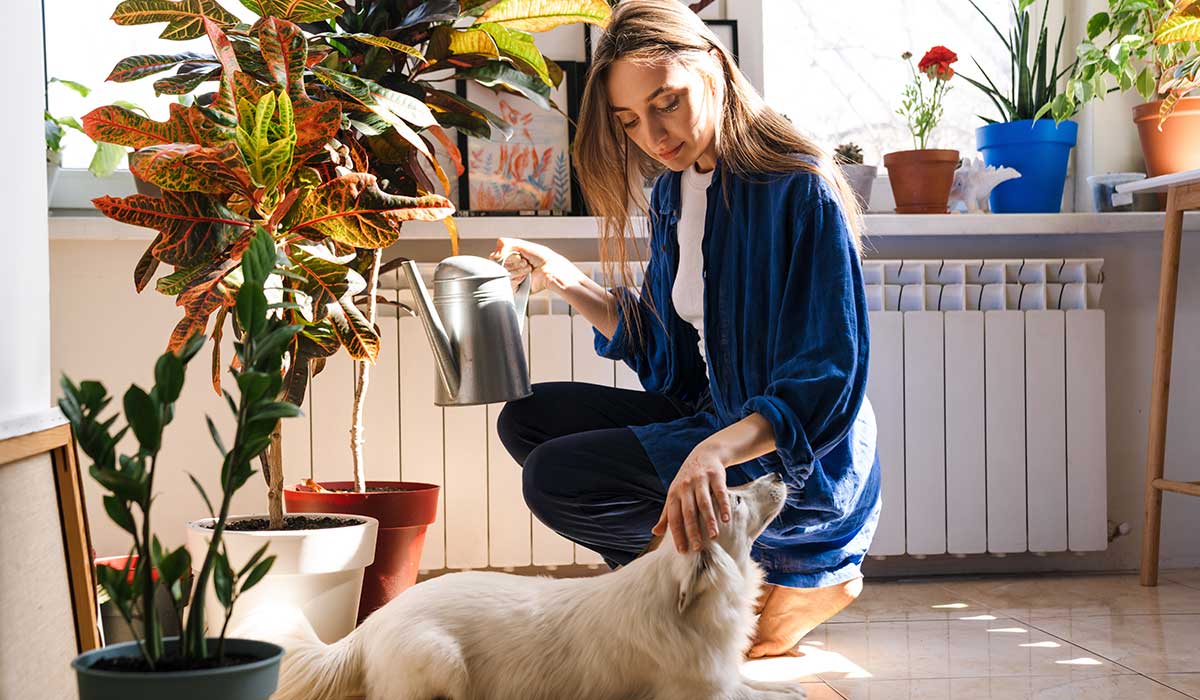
<point x="696" y="498"/>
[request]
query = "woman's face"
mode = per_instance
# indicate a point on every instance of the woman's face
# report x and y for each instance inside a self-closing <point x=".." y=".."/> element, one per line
<point x="668" y="109"/>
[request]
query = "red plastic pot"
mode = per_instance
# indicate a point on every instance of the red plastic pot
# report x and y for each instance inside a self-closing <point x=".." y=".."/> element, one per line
<point x="404" y="512"/>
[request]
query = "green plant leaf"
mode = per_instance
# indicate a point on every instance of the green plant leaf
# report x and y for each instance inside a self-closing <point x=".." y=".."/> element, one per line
<point x="372" y="40"/>
<point x="447" y="42"/>
<point x="193" y="226"/>
<point x="185" y="18"/>
<point x="254" y="559"/>
<point x="168" y="377"/>
<point x="203" y="495"/>
<point x="144" y="418"/>
<point x="386" y="103"/>
<point x="258" y="573"/>
<point x="118" y="511"/>
<point x="326" y="279"/>
<point x="431" y="11"/>
<point x="497" y="73"/>
<point x="519" y="47"/>
<point x="294" y="10"/>
<point x="541" y="15"/>
<point x="353" y="210"/>
<point x="1097" y="24"/>
<point x="135" y="67"/>
<point x="106" y="159"/>
<point x="189" y="77"/>
<point x="223" y="579"/>
<point x="79" y="88"/>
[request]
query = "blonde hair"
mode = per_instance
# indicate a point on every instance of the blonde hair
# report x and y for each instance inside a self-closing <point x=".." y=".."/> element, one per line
<point x="751" y="138"/>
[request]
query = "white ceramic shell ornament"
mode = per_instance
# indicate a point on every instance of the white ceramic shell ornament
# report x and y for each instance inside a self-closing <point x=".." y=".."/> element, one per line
<point x="973" y="182"/>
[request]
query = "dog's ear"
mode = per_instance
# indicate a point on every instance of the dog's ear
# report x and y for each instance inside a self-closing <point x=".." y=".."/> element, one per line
<point x="696" y="578"/>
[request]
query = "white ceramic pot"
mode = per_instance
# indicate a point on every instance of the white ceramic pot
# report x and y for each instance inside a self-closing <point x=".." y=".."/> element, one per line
<point x="318" y="572"/>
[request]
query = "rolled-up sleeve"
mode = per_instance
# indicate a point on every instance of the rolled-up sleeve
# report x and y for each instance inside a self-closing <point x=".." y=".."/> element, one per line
<point x="818" y="347"/>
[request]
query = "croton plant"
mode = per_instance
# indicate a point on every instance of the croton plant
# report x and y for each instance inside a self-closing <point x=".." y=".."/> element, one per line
<point x="317" y="123"/>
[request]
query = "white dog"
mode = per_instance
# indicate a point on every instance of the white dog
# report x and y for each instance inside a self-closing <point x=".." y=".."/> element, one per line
<point x="668" y="626"/>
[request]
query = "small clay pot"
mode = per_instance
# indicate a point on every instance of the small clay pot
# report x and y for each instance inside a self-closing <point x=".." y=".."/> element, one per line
<point x="1177" y="147"/>
<point x="921" y="179"/>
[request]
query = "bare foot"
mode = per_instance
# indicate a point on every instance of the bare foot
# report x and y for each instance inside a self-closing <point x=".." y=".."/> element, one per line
<point x="788" y="614"/>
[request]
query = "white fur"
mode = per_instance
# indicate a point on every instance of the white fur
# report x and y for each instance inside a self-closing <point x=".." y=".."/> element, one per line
<point x="668" y="626"/>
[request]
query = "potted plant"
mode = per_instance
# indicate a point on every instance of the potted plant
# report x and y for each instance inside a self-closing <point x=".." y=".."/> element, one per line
<point x="105" y="159"/>
<point x="862" y="177"/>
<point x="263" y="155"/>
<point x="195" y="664"/>
<point x="921" y="178"/>
<point x="381" y="65"/>
<point x="1037" y="149"/>
<point x="1149" y="46"/>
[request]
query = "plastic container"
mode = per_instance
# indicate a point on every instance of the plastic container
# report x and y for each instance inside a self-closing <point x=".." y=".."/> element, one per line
<point x="1105" y="197"/>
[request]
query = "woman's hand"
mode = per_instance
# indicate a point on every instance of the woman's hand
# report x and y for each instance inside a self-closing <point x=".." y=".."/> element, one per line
<point x="694" y="499"/>
<point x="546" y="268"/>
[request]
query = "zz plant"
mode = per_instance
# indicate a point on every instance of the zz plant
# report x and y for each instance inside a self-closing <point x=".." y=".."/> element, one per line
<point x="129" y="479"/>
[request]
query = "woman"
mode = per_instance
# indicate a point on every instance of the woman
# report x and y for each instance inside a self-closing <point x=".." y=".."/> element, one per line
<point x="749" y="334"/>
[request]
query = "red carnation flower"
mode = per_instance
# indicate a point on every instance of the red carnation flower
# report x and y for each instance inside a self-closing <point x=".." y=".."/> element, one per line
<point x="936" y="63"/>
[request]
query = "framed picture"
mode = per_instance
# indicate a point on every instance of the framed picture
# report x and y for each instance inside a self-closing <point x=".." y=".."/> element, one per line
<point x="531" y="172"/>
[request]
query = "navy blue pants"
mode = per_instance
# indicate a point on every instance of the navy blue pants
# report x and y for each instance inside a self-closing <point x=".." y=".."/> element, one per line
<point x="585" y="474"/>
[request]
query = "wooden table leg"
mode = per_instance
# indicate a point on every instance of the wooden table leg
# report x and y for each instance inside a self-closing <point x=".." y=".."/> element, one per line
<point x="1168" y="286"/>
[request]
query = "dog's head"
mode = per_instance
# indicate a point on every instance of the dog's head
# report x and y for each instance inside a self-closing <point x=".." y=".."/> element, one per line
<point x="752" y="507"/>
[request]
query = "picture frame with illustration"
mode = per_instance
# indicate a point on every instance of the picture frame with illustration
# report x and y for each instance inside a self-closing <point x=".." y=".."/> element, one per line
<point x="531" y="173"/>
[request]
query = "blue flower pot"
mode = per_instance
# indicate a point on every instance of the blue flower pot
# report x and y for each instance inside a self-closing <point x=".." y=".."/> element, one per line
<point x="1039" y="151"/>
<point x="254" y="680"/>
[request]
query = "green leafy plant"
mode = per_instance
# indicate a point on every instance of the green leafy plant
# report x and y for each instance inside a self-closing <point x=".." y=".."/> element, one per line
<point x="365" y="82"/>
<point x="922" y="111"/>
<point x="848" y="154"/>
<point x="1033" y="90"/>
<point x="1146" y="45"/>
<point x="107" y="155"/>
<point x="129" y="479"/>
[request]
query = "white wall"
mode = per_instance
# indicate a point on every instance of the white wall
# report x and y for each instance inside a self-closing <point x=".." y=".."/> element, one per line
<point x="25" y="294"/>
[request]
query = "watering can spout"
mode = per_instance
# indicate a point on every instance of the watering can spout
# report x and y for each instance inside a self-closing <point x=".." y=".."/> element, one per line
<point x="439" y="340"/>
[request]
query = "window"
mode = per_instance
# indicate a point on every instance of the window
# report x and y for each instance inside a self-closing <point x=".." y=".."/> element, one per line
<point x="83" y="44"/>
<point x="834" y="68"/>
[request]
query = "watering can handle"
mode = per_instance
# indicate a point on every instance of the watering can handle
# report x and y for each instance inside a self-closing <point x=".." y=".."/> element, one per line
<point x="521" y="301"/>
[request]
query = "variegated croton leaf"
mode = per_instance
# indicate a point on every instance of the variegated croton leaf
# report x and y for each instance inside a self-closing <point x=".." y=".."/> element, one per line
<point x="124" y="127"/>
<point x="186" y="167"/>
<point x="185" y="18"/>
<point x="192" y="226"/>
<point x="294" y="10"/>
<point x="353" y="210"/>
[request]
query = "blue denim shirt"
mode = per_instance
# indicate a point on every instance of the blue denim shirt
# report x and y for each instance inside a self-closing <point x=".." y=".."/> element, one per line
<point x="786" y="335"/>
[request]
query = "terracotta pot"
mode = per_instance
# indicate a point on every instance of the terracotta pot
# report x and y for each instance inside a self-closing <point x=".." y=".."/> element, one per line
<point x="921" y="179"/>
<point x="404" y="512"/>
<point x="1177" y="147"/>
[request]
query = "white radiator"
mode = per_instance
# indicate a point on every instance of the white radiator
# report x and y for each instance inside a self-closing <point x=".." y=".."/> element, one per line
<point x="987" y="380"/>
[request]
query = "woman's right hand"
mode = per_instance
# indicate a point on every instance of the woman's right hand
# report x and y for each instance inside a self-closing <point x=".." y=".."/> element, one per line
<point x="546" y="268"/>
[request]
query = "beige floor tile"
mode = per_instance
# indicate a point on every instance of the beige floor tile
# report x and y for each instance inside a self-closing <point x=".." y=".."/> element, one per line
<point x="904" y="600"/>
<point x="1186" y="683"/>
<point x="1188" y="577"/>
<point x="1126" y="687"/>
<point x="943" y="649"/>
<point x="1034" y="597"/>
<point x="1144" y="643"/>
<point x="821" y="691"/>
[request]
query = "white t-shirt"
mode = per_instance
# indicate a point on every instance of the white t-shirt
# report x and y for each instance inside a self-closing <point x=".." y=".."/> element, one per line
<point x="688" y="292"/>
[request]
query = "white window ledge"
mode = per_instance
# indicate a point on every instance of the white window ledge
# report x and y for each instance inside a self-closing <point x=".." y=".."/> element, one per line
<point x="90" y="225"/>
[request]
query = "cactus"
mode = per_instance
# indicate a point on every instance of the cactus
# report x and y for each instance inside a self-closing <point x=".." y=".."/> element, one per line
<point x="848" y="153"/>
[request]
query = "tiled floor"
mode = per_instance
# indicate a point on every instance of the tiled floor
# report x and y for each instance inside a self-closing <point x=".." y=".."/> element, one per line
<point x="1096" y="637"/>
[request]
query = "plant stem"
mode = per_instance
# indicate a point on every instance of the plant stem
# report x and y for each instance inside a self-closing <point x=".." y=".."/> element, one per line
<point x="151" y="631"/>
<point x="275" y="477"/>
<point x="362" y="378"/>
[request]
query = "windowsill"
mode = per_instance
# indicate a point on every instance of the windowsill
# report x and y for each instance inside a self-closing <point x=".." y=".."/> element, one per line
<point x="82" y="224"/>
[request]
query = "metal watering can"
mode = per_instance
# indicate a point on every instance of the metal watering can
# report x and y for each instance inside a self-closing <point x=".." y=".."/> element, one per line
<point x="474" y="324"/>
